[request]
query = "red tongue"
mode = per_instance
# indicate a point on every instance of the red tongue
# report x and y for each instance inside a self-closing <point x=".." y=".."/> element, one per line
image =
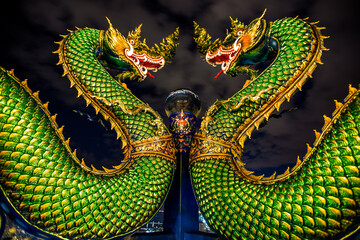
<point x="219" y="74"/>
<point x="150" y="75"/>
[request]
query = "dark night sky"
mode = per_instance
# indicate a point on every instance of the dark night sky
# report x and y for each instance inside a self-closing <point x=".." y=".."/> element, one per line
<point x="29" y="29"/>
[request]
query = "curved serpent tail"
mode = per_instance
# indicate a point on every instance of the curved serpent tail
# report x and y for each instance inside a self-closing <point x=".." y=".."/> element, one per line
<point x="320" y="197"/>
<point x="48" y="187"/>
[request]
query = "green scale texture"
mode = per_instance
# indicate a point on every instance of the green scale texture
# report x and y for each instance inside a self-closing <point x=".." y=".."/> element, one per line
<point x="319" y="201"/>
<point x="44" y="183"/>
<point x="295" y="39"/>
<point x="79" y="52"/>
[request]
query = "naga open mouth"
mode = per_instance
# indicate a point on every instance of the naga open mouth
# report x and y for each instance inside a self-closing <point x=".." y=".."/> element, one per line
<point x="143" y="62"/>
<point x="225" y="57"/>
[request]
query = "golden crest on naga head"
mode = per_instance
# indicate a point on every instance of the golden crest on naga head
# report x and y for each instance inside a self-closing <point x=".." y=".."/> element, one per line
<point x="254" y="31"/>
<point x="132" y="55"/>
<point x="116" y="41"/>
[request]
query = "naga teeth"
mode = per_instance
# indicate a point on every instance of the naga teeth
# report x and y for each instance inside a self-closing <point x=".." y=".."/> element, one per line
<point x="138" y="59"/>
<point x="131" y="51"/>
<point x="237" y="46"/>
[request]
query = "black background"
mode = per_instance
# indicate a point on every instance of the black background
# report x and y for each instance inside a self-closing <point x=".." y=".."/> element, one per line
<point x="29" y="29"/>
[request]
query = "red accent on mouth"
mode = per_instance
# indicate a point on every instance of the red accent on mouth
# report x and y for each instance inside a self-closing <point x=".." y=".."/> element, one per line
<point x="150" y="63"/>
<point x="144" y="63"/>
<point x="224" y="57"/>
<point x="220" y="56"/>
<point x="219" y="74"/>
<point x="150" y="75"/>
<point x="219" y="59"/>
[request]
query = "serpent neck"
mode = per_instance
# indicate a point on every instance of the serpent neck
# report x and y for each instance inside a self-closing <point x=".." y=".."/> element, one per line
<point x="49" y="187"/>
<point x="108" y="96"/>
<point x="300" y="47"/>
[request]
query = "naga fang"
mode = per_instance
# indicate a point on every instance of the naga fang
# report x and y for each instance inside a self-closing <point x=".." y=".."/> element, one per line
<point x="319" y="198"/>
<point x="51" y="192"/>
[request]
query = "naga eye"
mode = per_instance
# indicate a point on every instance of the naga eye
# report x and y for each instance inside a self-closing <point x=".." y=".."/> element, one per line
<point x="239" y="33"/>
<point x="132" y="41"/>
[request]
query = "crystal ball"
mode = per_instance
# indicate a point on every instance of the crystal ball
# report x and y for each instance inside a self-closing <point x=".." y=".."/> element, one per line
<point x="182" y="99"/>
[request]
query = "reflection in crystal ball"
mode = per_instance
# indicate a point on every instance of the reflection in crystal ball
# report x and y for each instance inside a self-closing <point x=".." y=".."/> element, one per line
<point x="182" y="99"/>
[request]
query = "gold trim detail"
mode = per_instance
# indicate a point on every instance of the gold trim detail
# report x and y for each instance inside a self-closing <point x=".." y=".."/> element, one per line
<point x="205" y="147"/>
<point x="162" y="146"/>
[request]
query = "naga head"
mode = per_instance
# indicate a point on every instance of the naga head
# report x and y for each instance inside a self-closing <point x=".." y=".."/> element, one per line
<point x="133" y="57"/>
<point x="242" y="46"/>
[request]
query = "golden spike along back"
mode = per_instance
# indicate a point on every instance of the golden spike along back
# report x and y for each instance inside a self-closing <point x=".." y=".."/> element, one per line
<point x="54" y="193"/>
<point x="295" y="204"/>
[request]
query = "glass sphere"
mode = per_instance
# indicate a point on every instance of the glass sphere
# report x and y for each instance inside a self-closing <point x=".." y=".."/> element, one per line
<point x="182" y="99"/>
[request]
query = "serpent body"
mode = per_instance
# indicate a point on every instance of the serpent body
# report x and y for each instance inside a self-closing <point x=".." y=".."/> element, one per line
<point x="53" y="191"/>
<point x="319" y="198"/>
<point x="44" y="184"/>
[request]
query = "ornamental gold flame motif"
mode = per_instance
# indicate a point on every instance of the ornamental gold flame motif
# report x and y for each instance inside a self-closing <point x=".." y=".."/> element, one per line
<point x="56" y="195"/>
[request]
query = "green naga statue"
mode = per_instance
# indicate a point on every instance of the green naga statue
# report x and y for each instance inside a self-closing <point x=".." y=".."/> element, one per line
<point x="43" y="181"/>
<point x="319" y="198"/>
<point x="46" y="188"/>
